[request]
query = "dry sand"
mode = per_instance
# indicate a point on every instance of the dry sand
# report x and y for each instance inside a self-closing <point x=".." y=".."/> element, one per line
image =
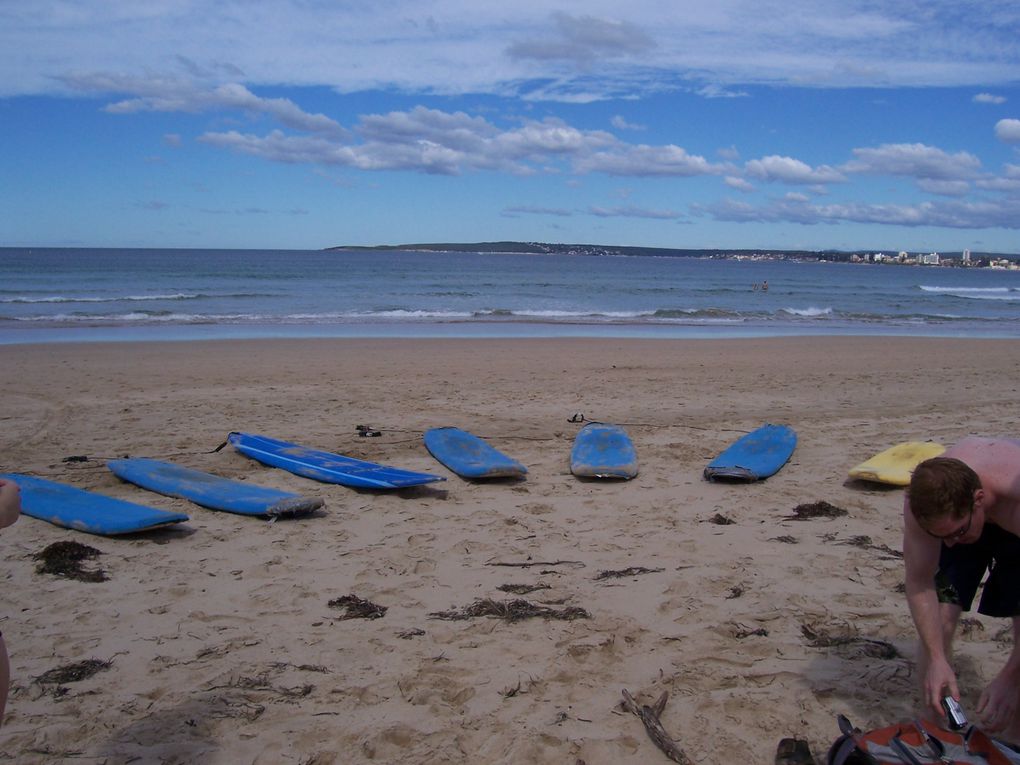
<point x="223" y="647"/>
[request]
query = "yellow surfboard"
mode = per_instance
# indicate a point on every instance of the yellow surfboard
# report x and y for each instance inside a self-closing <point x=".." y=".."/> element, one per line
<point x="895" y="464"/>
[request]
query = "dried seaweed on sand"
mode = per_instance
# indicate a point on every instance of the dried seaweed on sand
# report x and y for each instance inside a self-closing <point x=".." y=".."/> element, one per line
<point x="739" y="631"/>
<point x="521" y="589"/>
<point x="358" y="608"/>
<point x="73" y="673"/>
<point x="845" y="635"/>
<point x="623" y="573"/>
<point x="64" y="559"/>
<point x="510" y="611"/>
<point x="864" y="542"/>
<point x="821" y="509"/>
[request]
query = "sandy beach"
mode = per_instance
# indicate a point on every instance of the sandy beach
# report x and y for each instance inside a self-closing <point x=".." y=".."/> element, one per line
<point x="217" y="637"/>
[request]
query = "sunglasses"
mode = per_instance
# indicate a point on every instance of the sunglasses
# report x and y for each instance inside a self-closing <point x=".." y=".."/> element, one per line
<point x="960" y="532"/>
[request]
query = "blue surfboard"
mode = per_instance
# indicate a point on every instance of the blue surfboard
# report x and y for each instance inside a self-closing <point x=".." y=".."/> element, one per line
<point x="74" y="508"/>
<point x="469" y="456"/>
<point x="212" y="491"/>
<point x="755" y="456"/>
<point x="326" y="466"/>
<point x="603" y="451"/>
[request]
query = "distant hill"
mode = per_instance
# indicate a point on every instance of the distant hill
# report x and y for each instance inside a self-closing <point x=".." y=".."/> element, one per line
<point x="544" y="248"/>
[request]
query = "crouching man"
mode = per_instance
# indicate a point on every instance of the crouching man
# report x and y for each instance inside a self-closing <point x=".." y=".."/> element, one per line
<point x="961" y="518"/>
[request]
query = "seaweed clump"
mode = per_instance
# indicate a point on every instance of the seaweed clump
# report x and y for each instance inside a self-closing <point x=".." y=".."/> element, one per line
<point x="821" y="509"/>
<point x="510" y="611"/>
<point x="622" y="573"/>
<point x="839" y="636"/>
<point x="65" y="559"/>
<point x="522" y="589"/>
<point x="73" y="673"/>
<point x="358" y="608"/>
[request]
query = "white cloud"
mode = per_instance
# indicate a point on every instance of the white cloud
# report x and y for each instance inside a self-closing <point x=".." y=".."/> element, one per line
<point x="175" y="94"/>
<point x="583" y="40"/>
<point x="1008" y="131"/>
<point x="740" y="184"/>
<point x="715" y="90"/>
<point x="790" y="170"/>
<point x="999" y="184"/>
<point x="989" y="98"/>
<point x="915" y="160"/>
<point x="620" y="123"/>
<point x="428" y="141"/>
<point x="944" y="188"/>
<point x="643" y="160"/>
<point x="631" y="211"/>
<point x="535" y="210"/>
<point x="450" y="47"/>
<point x="954" y="214"/>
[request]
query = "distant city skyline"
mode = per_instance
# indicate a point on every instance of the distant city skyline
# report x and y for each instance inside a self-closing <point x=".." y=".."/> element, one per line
<point x="794" y="125"/>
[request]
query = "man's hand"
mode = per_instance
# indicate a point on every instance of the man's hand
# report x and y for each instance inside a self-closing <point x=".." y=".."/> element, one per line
<point x="997" y="707"/>
<point x="939" y="681"/>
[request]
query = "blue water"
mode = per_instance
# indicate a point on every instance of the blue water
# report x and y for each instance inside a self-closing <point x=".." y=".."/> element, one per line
<point x="62" y="295"/>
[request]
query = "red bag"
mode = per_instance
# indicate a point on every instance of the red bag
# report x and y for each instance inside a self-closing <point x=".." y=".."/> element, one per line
<point x="918" y="743"/>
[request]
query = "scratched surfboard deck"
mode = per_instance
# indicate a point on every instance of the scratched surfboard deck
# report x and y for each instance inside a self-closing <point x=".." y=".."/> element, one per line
<point x="469" y="456"/>
<point x="212" y="491"/>
<point x="895" y="465"/>
<point x="757" y="455"/>
<point x="603" y="451"/>
<point x="74" y="508"/>
<point x="326" y="466"/>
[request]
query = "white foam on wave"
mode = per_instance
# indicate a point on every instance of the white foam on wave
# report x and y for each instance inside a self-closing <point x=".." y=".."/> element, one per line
<point x="808" y="313"/>
<point x="976" y="293"/>
<point x="931" y="288"/>
<point x="122" y="298"/>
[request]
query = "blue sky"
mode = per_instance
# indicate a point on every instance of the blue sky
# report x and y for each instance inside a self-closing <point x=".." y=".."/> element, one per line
<point x="848" y="124"/>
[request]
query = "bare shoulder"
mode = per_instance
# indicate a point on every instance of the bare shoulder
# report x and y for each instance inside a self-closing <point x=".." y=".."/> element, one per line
<point x="983" y="452"/>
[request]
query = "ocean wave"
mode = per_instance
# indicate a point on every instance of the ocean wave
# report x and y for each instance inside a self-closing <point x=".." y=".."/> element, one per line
<point x="696" y="313"/>
<point x="976" y="293"/>
<point x="807" y="313"/>
<point x="393" y="315"/>
<point x="119" y="299"/>
<point x="405" y="314"/>
<point x="139" y="317"/>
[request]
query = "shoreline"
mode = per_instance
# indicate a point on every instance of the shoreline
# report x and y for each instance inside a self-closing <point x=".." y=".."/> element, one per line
<point x="220" y="637"/>
<point x="510" y="330"/>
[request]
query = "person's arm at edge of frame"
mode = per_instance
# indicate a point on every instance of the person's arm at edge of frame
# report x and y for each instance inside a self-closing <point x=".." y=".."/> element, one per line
<point x="921" y="560"/>
<point x="997" y="706"/>
<point x="10" y="502"/>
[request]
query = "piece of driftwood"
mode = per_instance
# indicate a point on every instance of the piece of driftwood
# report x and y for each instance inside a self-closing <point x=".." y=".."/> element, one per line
<point x="650" y="717"/>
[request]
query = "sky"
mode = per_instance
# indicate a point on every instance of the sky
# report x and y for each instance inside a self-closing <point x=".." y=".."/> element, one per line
<point x="302" y="124"/>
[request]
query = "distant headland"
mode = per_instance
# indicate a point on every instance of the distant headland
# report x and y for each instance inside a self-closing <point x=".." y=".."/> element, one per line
<point x="959" y="258"/>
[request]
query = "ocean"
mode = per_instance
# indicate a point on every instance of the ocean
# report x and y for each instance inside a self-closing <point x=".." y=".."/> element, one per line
<point x="76" y="295"/>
